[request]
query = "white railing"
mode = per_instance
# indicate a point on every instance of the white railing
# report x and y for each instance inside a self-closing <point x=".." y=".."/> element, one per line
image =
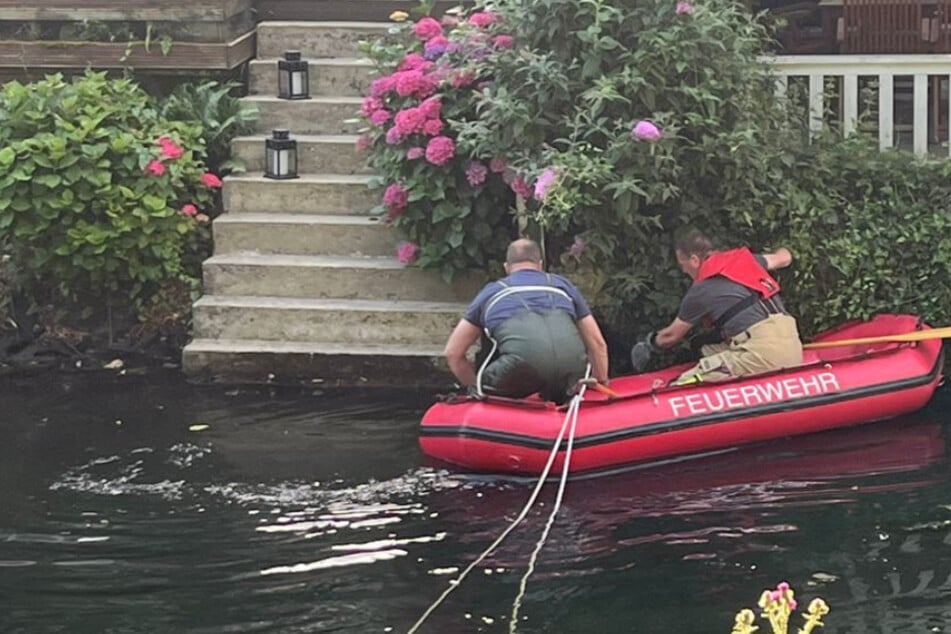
<point x="922" y="68"/>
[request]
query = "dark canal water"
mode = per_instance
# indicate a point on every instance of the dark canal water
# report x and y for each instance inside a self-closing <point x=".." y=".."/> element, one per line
<point x="299" y="512"/>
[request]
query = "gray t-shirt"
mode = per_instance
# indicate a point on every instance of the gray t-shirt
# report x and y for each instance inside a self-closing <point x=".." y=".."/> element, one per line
<point x="714" y="296"/>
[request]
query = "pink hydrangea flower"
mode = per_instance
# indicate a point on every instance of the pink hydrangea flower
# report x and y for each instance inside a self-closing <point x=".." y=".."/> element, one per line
<point x="427" y="28"/>
<point x="393" y="136"/>
<point x="431" y="108"/>
<point x="395" y="198"/>
<point x="211" y="180"/>
<point x="432" y="127"/>
<point x="503" y="41"/>
<point x="414" y="82"/>
<point x="435" y="47"/>
<point x="407" y="252"/>
<point x="380" y="117"/>
<point x="363" y="143"/>
<point x="646" y="131"/>
<point x="370" y="105"/>
<point x="476" y="173"/>
<point x="382" y="85"/>
<point x="414" y="61"/>
<point x="170" y="149"/>
<point x="155" y="167"/>
<point x="544" y="182"/>
<point x="190" y="210"/>
<point x="409" y="121"/>
<point x="440" y="150"/>
<point x="414" y="153"/>
<point x="483" y="19"/>
<point x="497" y="165"/>
<point x="521" y="187"/>
<point x="684" y="7"/>
<point x="461" y="78"/>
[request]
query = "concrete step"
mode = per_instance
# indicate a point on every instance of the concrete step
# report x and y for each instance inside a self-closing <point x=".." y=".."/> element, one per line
<point x="316" y="153"/>
<point x="309" y="194"/>
<point x="317" y="39"/>
<point x="321" y="364"/>
<point x="339" y="76"/>
<point x="356" y="322"/>
<point x="303" y="234"/>
<point x="330" y="277"/>
<point x="317" y="115"/>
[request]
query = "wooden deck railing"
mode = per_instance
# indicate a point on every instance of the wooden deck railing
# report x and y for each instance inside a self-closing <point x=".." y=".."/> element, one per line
<point x="927" y="73"/>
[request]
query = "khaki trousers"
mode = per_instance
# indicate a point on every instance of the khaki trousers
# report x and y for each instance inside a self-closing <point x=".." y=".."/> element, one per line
<point x="771" y="344"/>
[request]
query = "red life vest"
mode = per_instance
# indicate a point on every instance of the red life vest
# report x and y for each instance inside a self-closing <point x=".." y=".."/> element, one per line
<point x="739" y="265"/>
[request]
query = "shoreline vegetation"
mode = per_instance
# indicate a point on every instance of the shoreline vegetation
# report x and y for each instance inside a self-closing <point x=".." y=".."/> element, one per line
<point x="589" y="126"/>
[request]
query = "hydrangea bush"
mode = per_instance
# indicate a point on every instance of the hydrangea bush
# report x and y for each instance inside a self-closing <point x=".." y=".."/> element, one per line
<point x="101" y="198"/>
<point x="452" y="205"/>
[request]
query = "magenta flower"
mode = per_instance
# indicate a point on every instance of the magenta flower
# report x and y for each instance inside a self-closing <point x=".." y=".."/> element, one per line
<point x="462" y="78"/>
<point x="521" y="187"/>
<point x="427" y="28"/>
<point x="370" y="105"/>
<point x="395" y="198"/>
<point x="210" y="180"/>
<point x="544" y="182"/>
<point x="503" y="41"/>
<point x="476" y="173"/>
<point x="155" y="167"/>
<point x="363" y="143"/>
<point x="382" y="85"/>
<point x="684" y="7"/>
<point x="190" y="210"/>
<point x="497" y="165"/>
<point x="170" y="149"/>
<point x="414" y="61"/>
<point x="440" y="150"/>
<point x="432" y="127"/>
<point x="409" y="121"/>
<point x="407" y="252"/>
<point x="414" y="82"/>
<point x="431" y="108"/>
<point x="380" y="117"/>
<point x="435" y="47"/>
<point x="415" y="152"/>
<point x="483" y="19"/>
<point x="393" y="136"/>
<point x="646" y="131"/>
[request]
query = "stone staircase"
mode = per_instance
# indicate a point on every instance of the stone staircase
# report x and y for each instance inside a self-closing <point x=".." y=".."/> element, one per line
<point x="304" y="284"/>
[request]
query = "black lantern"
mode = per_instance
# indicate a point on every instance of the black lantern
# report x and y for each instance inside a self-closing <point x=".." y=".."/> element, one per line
<point x="292" y="77"/>
<point x="280" y="156"/>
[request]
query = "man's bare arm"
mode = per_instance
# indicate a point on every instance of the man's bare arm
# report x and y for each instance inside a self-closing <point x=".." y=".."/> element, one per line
<point x="597" y="347"/>
<point x="463" y="336"/>
<point x="778" y="259"/>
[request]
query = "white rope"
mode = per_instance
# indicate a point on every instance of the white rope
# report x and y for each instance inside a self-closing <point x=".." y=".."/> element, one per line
<point x="455" y="583"/>
<point x="573" y="414"/>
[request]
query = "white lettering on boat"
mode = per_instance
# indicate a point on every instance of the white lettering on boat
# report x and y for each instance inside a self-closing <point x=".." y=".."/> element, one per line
<point x="734" y="397"/>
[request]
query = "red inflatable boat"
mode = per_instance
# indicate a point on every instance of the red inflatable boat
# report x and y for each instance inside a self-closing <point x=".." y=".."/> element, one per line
<point x="648" y="422"/>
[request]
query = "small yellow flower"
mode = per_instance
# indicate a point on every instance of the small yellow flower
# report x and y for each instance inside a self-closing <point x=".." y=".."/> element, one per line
<point x="399" y="16"/>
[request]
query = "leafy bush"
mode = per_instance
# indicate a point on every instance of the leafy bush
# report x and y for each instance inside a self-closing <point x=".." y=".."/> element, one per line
<point x="100" y="196"/>
<point x="218" y="109"/>
<point x="452" y="206"/>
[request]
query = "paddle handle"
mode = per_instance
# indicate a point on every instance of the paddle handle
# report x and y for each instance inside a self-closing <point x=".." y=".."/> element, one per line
<point x="918" y="335"/>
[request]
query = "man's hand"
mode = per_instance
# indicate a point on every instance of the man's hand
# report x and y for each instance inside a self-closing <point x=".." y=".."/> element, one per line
<point x="643" y="351"/>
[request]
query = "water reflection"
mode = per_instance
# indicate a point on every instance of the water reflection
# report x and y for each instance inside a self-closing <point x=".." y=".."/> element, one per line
<point x="317" y="513"/>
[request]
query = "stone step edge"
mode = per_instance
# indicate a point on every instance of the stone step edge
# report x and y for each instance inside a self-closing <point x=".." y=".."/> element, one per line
<point x="306" y="179"/>
<point x="310" y="303"/>
<point x="356" y="62"/>
<point x="301" y="138"/>
<point x="330" y="24"/>
<point x="280" y="218"/>
<point x="314" y="261"/>
<point x="332" y="100"/>
<point x="263" y="346"/>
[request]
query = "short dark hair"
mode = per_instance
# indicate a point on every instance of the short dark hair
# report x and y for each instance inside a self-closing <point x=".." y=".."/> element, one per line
<point x="691" y="241"/>
<point x="523" y="250"/>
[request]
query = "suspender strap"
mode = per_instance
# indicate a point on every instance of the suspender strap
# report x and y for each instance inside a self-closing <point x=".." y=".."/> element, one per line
<point x="768" y="304"/>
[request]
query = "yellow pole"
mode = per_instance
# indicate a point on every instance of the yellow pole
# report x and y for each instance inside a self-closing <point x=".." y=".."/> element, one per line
<point x="918" y="335"/>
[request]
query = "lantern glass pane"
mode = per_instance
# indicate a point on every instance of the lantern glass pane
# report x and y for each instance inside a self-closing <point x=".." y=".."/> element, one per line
<point x="283" y="83"/>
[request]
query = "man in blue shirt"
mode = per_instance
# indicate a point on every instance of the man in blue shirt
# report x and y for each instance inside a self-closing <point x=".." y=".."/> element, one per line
<point x="542" y="330"/>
